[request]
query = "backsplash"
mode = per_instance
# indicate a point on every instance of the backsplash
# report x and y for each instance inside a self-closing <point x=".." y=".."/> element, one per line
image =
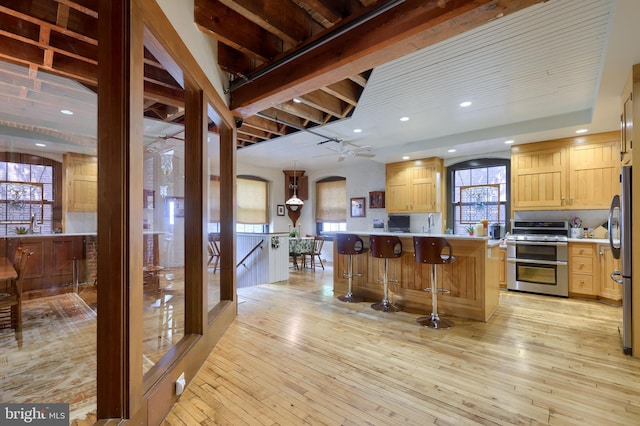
<point x="590" y="218"/>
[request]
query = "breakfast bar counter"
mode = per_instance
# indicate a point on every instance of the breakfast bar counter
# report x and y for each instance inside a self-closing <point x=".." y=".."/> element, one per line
<point x="472" y="280"/>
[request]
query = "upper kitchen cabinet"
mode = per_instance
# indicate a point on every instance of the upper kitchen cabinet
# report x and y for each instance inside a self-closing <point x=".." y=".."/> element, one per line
<point x="594" y="173"/>
<point x="81" y="184"/>
<point x="538" y="176"/>
<point x="565" y="174"/>
<point x="413" y="186"/>
<point x="626" y="114"/>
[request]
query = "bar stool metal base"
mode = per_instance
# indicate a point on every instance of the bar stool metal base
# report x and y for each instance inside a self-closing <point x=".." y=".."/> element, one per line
<point x="350" y="298"/>
<point x="385" y="306"/>
<point x="435" y="322"/>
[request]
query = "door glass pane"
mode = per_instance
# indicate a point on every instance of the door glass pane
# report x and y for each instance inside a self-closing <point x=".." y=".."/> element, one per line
<point x="48" y="238"/>
<point x="213" y="221"/>
<point x="163" y="210"/>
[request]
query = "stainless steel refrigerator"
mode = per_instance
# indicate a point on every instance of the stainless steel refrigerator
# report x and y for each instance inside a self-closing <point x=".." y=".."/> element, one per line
<point x="620" y="241"/>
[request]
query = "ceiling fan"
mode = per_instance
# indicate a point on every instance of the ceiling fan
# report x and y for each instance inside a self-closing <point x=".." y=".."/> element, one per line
<point x="348" y="149"/>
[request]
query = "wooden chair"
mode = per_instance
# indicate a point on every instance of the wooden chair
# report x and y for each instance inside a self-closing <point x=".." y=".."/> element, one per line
<point x="315" y="251"/>
<point x="11" y="300"/>
<point x="214" y="254"/>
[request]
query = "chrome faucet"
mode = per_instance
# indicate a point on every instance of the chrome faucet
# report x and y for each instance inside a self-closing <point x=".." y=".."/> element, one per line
<point x="430" y="223"/>
<point x="32" y="223"/>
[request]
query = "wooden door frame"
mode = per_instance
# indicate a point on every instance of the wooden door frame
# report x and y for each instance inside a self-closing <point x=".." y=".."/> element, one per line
<point x="124" y="393"/>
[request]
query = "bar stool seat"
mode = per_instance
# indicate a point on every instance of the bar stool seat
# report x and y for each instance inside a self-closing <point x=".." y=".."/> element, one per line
<point x="385" y="247"/>
<point x="434" y="251"/>
<point x="350" y="245"/>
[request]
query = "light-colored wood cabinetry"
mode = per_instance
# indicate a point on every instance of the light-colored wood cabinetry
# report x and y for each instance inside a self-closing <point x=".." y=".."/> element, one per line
<point x="81" y="183"/>
<point x="413" y="186"/>
<point x="594" y="174"/>
<point x="582" y="265"/>
<point x="609" y="289"/>
<point x="397" y="188"/>
<point x="502" y="267"/>
<point x="627" y="111"/>
<point x="572" y="173"/>
<point x="590" y="266"/>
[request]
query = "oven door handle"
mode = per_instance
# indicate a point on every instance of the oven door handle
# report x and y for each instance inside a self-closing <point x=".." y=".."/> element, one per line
<point x="538" y="243"/>
<point x="537" y="262"/>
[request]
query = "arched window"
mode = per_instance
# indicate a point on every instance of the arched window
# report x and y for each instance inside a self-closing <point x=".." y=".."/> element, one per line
<point x="477" y="190"/>
<point x="29" y="194"/>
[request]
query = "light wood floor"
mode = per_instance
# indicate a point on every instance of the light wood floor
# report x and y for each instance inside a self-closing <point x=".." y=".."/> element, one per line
<point x="295" y="355"/>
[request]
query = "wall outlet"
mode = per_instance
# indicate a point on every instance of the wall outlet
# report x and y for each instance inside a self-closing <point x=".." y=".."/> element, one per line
<point x="181" y="383"/>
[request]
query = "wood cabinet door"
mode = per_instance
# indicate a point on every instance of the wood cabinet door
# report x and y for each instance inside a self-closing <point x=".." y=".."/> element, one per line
<point x="594" y="175"/>
<point x="81" y="183"/>
<point x="609" y="289"/>
<point x="502" y="268"/>
<point x="422" y="183"/>
<point x="397" y="188"/>
<point x="538" y="179"/>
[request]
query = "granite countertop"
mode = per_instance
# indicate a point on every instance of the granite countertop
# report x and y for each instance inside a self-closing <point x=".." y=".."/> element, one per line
<point x="419" y="234"/>
<point x="589" y="240"/>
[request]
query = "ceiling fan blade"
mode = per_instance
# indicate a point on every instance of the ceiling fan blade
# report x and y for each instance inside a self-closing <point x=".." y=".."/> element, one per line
<point x="362" y="148"/>
<point x="363" y="154"/>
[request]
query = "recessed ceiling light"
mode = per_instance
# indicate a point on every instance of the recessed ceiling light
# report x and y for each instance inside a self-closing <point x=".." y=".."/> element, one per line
<point x="582" y="131"/>
<point x="296" y="100"/>
<point x="509" y="141"/>
<point x="40" y="144"/>
<point x="405" y="157"/>
<point x="465" y="104"/>
<point x="66" y="112"/>
<point x="404" y="119"/>
<point x="451" y="150"/>
<point x="357" y="130"/>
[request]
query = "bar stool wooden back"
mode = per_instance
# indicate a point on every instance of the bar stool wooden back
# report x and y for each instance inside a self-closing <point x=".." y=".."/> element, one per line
<point x="434" y="251"/>
<point x="350" y="245"/>
<point x="385" y="247"/>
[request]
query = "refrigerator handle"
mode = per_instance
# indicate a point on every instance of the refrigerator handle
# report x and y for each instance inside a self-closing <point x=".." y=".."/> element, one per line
<point x="617" y="277"/>
<point x="615" y="203"/>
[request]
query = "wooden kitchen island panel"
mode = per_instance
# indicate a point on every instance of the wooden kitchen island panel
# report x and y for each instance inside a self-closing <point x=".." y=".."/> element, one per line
<point x="473" y="280"/>
<point x="52" y="264"/>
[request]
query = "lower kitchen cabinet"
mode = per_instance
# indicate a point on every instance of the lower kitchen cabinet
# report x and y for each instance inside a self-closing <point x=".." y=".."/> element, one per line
<point x="609" y="289"/>
<point x="582" y="260"/>
<point x="590" y="266"/>
<point x="502" y="271"/>
<point x="53" y="263"/>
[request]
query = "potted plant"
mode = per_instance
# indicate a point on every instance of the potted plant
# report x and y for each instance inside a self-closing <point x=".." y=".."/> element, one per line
<point x="293" y="233"/>
<point x="470" y="229"/>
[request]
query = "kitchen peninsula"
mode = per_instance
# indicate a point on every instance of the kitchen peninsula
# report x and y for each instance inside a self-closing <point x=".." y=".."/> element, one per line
<point x="471" y="280"/>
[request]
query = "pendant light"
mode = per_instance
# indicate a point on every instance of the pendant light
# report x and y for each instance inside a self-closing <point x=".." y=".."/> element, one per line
<point x="294" y="202"/>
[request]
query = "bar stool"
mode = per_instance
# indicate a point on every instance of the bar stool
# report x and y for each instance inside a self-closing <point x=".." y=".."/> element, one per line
<point x="350" y="245"/>
<point x="385" y="247"/>
<point x="430" y="250"/>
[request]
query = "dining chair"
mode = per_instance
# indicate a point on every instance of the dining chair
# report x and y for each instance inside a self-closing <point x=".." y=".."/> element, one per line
<point x="214" y="254"/>
<point x="11" y="299"/>
<point x="316" y="251"/>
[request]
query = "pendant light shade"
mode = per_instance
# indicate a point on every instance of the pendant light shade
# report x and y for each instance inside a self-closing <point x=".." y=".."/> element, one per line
<point x="294" y="202"/>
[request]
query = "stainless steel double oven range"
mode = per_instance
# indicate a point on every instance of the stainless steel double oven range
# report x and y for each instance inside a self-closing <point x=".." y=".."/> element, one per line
<point x="537" y="257"/>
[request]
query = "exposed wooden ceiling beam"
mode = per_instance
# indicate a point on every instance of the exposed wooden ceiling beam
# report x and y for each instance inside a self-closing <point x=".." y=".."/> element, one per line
<point x="407" y="27"/>
<point x="346" y="90"/>
<point x="224" y="24"/>
<point x="280" y="17"/>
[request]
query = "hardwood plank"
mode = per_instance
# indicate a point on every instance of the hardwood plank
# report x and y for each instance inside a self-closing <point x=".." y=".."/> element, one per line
<point x="296" y="355"/>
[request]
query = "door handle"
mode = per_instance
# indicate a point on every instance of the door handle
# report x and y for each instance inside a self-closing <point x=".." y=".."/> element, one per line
<point x="617" y="277"/>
